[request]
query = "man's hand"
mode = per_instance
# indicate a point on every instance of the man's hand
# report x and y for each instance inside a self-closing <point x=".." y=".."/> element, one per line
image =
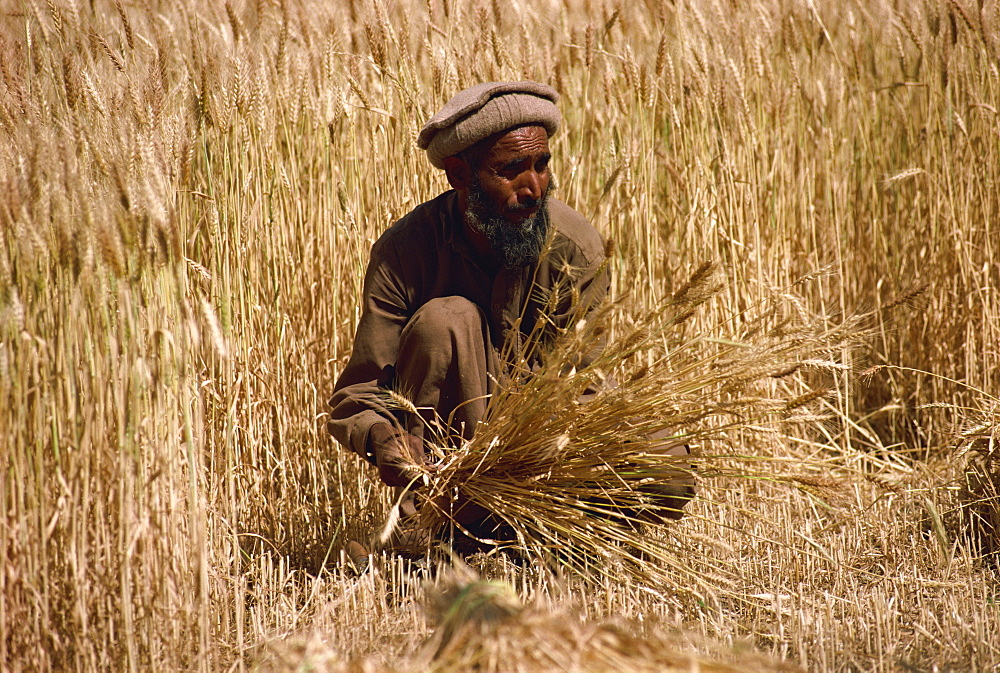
<point x="398" y="454"/>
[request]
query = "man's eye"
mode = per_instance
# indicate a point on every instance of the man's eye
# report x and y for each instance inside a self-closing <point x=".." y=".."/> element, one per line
<point x="511" y="171"/>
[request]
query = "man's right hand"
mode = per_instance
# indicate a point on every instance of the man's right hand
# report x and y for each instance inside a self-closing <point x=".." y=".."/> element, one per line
<point x="398" y="454"/>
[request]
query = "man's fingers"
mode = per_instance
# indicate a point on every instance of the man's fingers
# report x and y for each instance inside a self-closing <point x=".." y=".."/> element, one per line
<point x="397" y="454"/>
<point x="400" y="459"/>
<point x="415" y="446"/>
<point x="399" y="475"/>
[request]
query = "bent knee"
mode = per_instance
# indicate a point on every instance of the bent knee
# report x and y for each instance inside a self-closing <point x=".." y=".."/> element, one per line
<point x="443" y="316"/>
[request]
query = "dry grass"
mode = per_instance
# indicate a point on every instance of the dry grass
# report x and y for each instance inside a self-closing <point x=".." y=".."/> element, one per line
<point x="187" y="199"/>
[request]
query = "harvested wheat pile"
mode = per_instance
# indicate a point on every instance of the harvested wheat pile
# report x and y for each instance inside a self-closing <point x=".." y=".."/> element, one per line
<point x="482" y="626"/>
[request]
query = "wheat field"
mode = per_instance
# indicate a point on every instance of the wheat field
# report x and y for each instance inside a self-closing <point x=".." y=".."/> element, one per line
<point x="188" y="195"/>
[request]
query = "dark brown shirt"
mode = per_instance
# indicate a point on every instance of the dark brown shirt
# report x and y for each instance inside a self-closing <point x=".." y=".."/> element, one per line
<point x="426" y="255"/>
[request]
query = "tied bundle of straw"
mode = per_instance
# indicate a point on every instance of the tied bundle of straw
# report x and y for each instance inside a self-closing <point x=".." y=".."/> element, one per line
<point x="482" y="626"/>
<point x="575" y="463"/>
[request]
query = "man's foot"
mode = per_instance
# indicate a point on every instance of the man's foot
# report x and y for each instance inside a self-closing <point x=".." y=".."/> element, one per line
<point x="409" y="541"/>
<point x="357" y="557"/>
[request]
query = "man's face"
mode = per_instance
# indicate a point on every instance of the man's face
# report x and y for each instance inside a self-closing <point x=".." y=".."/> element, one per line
<point x="508" y="195"/>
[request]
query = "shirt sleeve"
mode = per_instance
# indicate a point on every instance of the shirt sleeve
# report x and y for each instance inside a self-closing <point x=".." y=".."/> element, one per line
<point x="356" y="404"/>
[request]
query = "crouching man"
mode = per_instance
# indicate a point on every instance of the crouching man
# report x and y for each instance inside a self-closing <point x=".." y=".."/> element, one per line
<point x="460" y="276"/>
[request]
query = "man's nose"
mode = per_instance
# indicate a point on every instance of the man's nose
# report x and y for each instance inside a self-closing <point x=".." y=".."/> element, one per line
<point x="530" y="188"/>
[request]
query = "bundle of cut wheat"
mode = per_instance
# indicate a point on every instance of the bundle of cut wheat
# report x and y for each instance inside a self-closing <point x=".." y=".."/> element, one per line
<point x="483" y="626"/>
<point x="575" y="481"/>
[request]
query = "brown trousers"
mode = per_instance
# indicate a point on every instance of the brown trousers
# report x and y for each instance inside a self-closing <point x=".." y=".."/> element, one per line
<point x="447" y="367"/>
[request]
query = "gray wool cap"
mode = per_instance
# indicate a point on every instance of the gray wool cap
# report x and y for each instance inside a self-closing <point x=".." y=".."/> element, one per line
<point x="485" y="109"/>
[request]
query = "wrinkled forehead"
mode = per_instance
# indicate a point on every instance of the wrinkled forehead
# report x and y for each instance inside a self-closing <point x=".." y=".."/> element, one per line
<point x="524" y="140"/>
<point x="521" y="140"/>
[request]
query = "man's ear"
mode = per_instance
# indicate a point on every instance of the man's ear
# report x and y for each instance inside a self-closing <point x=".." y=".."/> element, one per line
<point x="459" y="173"/>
